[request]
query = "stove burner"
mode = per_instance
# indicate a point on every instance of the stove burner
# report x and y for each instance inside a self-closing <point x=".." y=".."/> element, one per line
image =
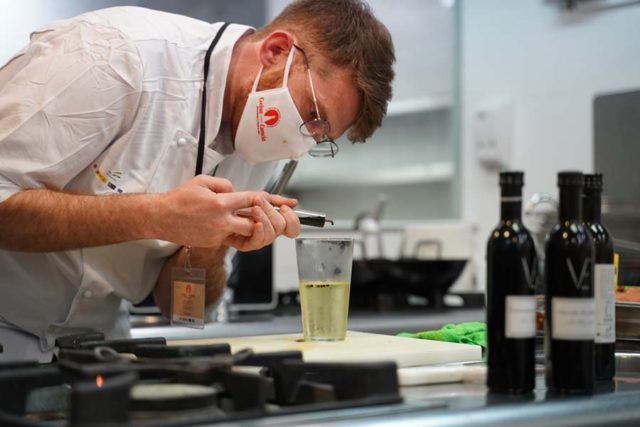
<point x="171" y="397"/>
<point x="136" y="381"/>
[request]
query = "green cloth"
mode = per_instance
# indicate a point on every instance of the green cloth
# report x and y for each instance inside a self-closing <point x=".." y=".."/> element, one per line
<point x="465" y="333"/>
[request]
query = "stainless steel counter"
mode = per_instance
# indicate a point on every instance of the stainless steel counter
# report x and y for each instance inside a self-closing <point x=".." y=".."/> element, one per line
<point x="463" y="405"/>
<point x="447" y="405"/>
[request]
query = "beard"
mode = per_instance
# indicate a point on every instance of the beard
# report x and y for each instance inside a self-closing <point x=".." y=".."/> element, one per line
<point x="270" y="78"/>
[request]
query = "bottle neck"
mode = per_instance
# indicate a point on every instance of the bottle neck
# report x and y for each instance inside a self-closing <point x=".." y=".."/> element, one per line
<point x="511" y="203"/>
<point x="570" y="203"/>
<point x="592" y="206"/>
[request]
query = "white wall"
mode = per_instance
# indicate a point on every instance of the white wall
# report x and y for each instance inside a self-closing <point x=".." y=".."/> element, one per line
<point x="550" y="63"/>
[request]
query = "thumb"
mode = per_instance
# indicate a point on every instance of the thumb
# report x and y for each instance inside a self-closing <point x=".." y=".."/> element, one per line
<point x="217" y="185"/>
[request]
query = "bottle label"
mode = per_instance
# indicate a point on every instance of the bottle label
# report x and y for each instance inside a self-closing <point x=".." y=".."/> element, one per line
<point x="574" y="319"/>
<point x="520" y="316"/>
<point x="603" y="288"/>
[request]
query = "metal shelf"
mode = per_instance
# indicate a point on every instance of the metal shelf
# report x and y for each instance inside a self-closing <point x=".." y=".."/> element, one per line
<point x="406" y="174"/>
<point x="419" y="105"/>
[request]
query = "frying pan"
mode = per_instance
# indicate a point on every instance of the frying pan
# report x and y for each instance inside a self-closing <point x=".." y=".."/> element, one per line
<point x="429" y="278"/>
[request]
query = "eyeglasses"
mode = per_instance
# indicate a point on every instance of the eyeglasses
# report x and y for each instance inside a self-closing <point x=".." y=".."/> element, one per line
<point x="318" y="128"/>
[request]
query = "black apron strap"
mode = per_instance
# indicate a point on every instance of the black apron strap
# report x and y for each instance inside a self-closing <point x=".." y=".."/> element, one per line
<point x="203" y="111"/>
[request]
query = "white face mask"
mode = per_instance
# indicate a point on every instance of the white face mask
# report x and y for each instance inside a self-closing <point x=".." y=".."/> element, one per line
<point x="269" y="128"/>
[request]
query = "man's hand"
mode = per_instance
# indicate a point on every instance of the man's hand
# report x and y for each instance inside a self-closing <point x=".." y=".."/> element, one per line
<point x="202" y="213"/>
<point x="269" y="224"/>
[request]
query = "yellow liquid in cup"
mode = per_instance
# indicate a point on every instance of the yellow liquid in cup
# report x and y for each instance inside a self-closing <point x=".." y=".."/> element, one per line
<point x="325" y="308"/>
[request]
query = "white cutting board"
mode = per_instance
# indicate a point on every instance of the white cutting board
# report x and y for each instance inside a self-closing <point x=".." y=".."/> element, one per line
<point x="357" y="347"/>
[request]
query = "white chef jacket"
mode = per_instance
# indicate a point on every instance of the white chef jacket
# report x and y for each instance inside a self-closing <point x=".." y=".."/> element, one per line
<point x="105" y="103"/>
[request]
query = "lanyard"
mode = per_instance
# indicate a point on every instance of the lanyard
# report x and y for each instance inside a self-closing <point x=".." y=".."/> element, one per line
<point x="203" y="111"/>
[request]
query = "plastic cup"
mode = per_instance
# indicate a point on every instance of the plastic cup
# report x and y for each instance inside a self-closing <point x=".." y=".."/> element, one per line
<point x="324" y="271"/>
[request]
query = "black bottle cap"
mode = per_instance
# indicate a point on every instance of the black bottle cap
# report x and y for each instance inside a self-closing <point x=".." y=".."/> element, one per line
<point x="570" y="178"/>
<point x="512" y="178"/>
<point x="593" y="182"/>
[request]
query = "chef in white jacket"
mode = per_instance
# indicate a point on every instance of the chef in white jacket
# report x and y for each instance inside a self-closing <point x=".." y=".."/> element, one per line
<point x="129" y="137"/>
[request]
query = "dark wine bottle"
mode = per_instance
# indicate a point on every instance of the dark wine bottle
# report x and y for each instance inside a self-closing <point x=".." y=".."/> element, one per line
<point x="569" y="303"/>
<point x="603" y="279"/>
<point x="511" y="304"/>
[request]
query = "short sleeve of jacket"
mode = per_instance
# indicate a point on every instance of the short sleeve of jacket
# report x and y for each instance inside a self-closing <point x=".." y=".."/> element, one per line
<point x="63" y="100"/>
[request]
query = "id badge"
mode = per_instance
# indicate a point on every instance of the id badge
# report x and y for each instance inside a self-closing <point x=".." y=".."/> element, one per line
<point x="188" y="296"/>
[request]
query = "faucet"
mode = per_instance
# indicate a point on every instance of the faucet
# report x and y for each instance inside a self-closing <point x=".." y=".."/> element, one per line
<point x="368" y="222"/>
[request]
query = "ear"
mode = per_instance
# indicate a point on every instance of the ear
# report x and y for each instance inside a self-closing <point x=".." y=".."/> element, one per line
<point x="275" y="48"/>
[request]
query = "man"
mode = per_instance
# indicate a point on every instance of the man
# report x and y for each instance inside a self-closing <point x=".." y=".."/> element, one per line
<point x="104" y="121"/>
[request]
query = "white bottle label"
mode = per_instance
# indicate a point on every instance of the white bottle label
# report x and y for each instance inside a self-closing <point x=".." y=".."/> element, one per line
<point x="520" y="316"/>
<point x="605" y="303"/>
<point x="573" y="318"/>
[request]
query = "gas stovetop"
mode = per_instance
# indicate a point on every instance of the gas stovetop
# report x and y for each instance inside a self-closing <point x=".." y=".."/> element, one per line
<point x="144" y="382"/>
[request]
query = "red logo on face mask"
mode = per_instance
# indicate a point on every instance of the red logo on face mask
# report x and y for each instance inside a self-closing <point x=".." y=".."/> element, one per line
<point x="271" y="117"/>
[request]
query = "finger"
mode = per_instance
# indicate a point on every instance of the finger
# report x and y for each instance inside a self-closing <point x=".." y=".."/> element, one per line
<point x="242" y="199"/>
<point x="258" y="238"/>
<point x="278" y="200"/>
<point x="240" y="225"/>
<point x="276" y="221"/>
<point x="244" y="244"/>
<point x="262" y="217"/>
<point x="238" y="242"/>
<point x="292" y="228"/>
<point x="217" y="185"/>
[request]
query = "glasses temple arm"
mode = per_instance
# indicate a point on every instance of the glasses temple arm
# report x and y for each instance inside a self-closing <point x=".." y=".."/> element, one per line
<point x="313" y="93"/>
